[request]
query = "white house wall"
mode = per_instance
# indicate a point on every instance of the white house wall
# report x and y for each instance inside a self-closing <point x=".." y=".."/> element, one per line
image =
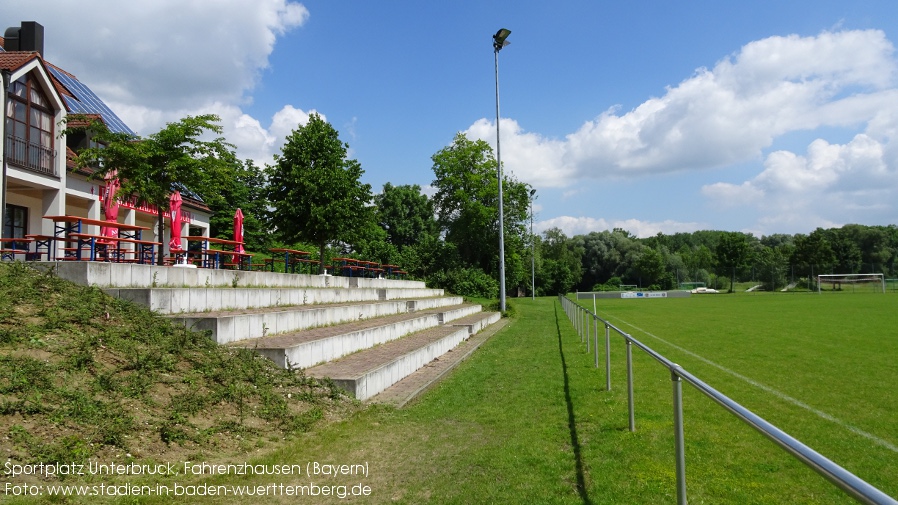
<point x="44" y="194"/>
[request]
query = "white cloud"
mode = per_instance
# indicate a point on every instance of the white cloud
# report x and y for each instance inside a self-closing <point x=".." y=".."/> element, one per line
<point x="173" y="58"/>
<point x="830" y="185"/>
<point x="719" y="116"/>
<point x="529" y="156"/>
<point x="726" y="195"/>
<point x="572" y="226"/>
<point x="208" y="53"/>
<point x="730" y="114"/>
<point x="179" y="57"/>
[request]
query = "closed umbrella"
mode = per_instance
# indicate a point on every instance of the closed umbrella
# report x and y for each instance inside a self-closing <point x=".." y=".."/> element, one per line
<point x="110" y="204"/>
<point x="238" y="230"/>
<point x="175" y="206"/>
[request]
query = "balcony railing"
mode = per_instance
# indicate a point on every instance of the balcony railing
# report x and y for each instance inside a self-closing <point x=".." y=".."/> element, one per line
<point x="31" y="156"/>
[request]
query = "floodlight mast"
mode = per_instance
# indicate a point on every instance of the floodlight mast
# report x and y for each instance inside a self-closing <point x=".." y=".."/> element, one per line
<point x="499" y="41"/>
<point x="532" y="251"/>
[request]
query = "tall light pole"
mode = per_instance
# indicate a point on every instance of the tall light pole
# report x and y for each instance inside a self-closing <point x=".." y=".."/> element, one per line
<point x="532" y="251"/>
<point x="498" y="43"/>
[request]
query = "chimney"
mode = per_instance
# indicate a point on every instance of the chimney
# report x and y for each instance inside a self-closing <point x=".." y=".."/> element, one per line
<point x="28" y="37"/>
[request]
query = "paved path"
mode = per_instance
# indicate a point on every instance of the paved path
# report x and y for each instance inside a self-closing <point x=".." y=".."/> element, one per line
<point x="409" y="388"/>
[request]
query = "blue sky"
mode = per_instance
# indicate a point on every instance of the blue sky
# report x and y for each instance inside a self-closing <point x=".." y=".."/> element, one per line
<point x="765" y="117"/>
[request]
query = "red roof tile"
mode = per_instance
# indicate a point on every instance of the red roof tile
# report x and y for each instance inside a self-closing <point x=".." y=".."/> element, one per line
<point x="15" y="59"/>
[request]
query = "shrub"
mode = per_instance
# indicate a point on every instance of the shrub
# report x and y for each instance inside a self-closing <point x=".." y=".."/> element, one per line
<point x="471" y="282"/>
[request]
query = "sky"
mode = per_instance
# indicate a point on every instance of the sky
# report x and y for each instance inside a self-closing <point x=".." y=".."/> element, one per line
<point x="652" y="116"/>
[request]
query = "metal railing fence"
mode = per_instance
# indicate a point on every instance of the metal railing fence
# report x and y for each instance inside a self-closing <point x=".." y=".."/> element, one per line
<point x="587" y="322"/>
<point x="34" y="157"/>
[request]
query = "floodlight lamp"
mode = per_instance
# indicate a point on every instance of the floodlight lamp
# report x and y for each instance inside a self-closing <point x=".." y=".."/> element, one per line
<point x="499" y="38"/>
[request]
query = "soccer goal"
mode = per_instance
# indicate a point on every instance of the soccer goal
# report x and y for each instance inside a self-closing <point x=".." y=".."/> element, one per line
<point x="689" y="286"/>
<point x="627" y="287"/>
<point x="852" y="282"/>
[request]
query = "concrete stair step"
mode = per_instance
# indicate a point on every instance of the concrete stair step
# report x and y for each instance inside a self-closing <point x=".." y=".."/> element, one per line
<point x="412" y="386"/>
<point x="476" y="322"/>
<point x="367" y="334"/>
<point x="104" y="275"/>
<point x="232" y="326"/>
<point x="367" y="373"/>
<point x="311" y="347"/>
<point x="192" y="300"/>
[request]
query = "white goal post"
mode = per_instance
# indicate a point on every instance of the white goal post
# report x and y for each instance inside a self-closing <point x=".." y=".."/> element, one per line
<point x="837" y="280"/>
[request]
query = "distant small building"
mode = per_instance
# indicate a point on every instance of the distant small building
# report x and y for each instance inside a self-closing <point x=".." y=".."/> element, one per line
<point x="38" y="176"/>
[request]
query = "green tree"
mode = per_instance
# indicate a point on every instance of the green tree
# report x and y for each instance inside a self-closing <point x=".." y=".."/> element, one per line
<point x="812" y="251"/>
<point x="466" y="205"/>
<point x="772" y="267"/>
<point x="607" y="254"/>
<point x="733" y="255"/>
<point x="151" y="168"/>
<point x="243" y="188"/>
<point x="315" y="191"/>
<point x="699" y="258"/>
<point x="561" y="267"/>
<point x="406" y="215"/>
<point x="650" y="266"/>
<point x="370" y="242"/>
<point x="847" y="253"/>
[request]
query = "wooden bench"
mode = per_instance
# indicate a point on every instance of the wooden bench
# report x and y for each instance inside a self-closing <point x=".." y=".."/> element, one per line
<point x="10" y="254"/>
<point x="298" y="262"/>
<point x="240" y="261"/>
<point x="144" y="253"/>
<point x="10" y="247"/>
<point x="270" y="263"/>
<point x="353" y="270"/>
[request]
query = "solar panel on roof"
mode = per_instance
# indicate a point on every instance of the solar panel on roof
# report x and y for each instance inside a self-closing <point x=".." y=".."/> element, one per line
<point x="185" y="192"/>
<point x="86" y="102"/>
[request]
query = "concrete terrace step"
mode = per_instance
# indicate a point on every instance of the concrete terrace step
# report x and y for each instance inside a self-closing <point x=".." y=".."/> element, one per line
<point x="365" y="374"/>
<point x="100" y="274"/>
<point x="476" y="322"/>
<point x="233" y="326"/>
<point x="413" y="385"/>
<point x="311" y="347"/>
<point x="193" y="300"/>
<point x="365" y="334"/>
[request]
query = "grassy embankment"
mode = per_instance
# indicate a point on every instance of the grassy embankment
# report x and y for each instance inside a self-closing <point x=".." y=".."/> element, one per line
<point x="85" y="376"/>
<point x="526" y="418"/>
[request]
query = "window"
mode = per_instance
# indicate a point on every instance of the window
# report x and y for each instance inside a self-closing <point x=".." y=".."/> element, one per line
<point x="15" y="222"/>
<point x="29" y="127"/>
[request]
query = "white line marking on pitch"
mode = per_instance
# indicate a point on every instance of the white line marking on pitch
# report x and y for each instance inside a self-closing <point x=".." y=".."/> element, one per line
<point x="884" y="443"/>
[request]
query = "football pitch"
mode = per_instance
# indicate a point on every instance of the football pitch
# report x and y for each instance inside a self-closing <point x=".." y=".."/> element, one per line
<point x="823" y="368"/>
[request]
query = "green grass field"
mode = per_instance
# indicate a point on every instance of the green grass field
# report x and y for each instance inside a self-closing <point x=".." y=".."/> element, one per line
<point x="526" y="419"/>
<point x="820" y="367"/>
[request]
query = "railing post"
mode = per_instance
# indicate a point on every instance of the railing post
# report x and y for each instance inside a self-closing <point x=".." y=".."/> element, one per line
<point x="630" y="385"/>
<point x="679" y="440"/>
<point x="580" y="320"/>
<point x="607" y="357"/>
<point x="595" y="333"/>
<point x="586" y="331"/>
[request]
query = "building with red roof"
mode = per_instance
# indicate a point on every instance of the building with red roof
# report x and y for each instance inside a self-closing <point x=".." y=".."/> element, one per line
<point x="38" y="176"/>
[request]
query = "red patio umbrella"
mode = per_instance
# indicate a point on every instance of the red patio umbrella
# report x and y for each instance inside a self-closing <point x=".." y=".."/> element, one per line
<point x="110" y="204"/>
<point x="238" y="230"/>
<point x="175" y="206"/>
